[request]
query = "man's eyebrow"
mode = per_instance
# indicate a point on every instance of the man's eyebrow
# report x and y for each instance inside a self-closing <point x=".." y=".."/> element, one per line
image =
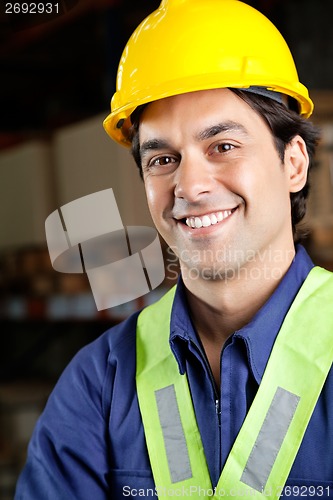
<point x="228" y="126"/>
<point x="207" y="133"/>
<point x="153" y="145"/>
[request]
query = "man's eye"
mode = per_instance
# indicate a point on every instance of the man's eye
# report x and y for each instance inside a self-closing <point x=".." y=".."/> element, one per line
<point x="162" y="161"/>
<point x="223" y="148"/>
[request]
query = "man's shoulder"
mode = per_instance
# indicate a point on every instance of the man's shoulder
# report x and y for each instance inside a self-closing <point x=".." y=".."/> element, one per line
<point x="319" y="280"/>
<point x="117" y="339"/>
<point x="118" y="343"/>
<point x="94" y="369"/>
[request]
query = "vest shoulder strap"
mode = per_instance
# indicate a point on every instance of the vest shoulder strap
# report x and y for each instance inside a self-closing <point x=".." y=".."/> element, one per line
<point x="264" y="451"/>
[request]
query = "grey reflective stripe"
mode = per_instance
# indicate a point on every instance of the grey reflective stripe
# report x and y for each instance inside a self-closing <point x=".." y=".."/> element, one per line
<point x="173" y="434"/>
<point x="270" y="439"/>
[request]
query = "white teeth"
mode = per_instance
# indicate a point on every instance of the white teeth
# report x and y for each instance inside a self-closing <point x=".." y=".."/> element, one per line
<point x="197" y="222"/>
<point x="207" y="220"/>
<point x="213" y="219"/>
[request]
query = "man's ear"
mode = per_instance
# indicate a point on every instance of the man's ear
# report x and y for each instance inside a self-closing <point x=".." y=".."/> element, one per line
<point x="296" y="160"/>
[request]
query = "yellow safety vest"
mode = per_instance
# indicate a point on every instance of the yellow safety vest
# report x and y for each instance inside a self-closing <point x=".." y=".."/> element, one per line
<point x="266" y="446"/>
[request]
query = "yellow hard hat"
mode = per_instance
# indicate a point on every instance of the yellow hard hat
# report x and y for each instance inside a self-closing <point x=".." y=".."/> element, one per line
<point x="190" y="45"/>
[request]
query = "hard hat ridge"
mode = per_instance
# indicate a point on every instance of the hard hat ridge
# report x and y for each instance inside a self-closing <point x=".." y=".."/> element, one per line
<point x="276" y="96"/>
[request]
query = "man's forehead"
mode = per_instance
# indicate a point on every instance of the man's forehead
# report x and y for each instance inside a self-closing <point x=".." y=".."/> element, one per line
<point x="204" y="113"/>
<point x="188" y="98"/>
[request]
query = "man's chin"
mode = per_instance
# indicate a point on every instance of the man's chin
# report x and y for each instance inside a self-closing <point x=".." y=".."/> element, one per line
<point x="210" y="272"/>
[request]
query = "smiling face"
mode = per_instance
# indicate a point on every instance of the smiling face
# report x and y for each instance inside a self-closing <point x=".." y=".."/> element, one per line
<point x="216" y="187"/>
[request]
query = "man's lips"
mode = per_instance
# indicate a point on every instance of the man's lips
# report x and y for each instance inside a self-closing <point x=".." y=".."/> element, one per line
<point x="206" y="220"/>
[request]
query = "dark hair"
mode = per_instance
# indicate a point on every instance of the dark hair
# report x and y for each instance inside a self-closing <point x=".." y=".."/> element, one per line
<point x="134" y="136"/>
<point x="284" y="124"/>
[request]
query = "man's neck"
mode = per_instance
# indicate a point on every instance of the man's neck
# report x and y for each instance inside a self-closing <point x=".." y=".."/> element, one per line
<point x="219" y="310"/>
<point x="220" y="307"/>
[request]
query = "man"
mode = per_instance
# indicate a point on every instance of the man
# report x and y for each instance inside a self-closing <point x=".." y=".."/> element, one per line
<point x="223" y="388"/>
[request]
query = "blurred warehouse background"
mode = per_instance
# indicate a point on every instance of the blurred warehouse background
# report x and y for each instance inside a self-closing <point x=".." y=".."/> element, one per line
<point x="57" y="75"/>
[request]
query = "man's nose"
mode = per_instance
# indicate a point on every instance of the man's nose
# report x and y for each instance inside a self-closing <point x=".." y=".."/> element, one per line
<point x="194" y="178"/>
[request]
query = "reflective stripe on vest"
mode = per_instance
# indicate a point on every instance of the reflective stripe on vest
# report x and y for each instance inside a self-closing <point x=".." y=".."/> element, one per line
<point x="266" y="446"/>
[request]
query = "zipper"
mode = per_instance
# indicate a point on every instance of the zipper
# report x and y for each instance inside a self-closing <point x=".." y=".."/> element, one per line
<point x="210" y="374"/>
<point x="208" y="368"/>
<point x="217" y="400"/>
<point x="218" y="410"/>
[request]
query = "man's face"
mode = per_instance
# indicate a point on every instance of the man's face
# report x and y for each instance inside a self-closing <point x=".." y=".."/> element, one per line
<point x="217" y="190"/>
